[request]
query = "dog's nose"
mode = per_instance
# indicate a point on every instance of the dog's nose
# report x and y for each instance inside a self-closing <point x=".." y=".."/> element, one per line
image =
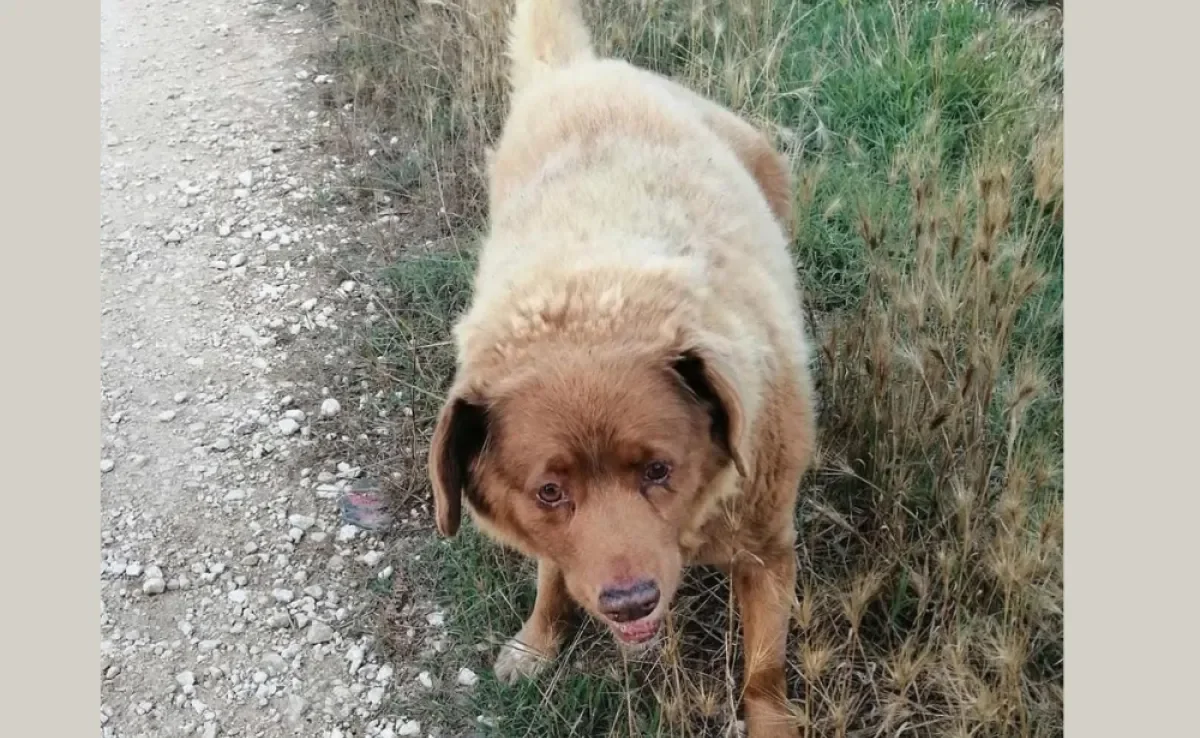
<point x="626" y="602"/>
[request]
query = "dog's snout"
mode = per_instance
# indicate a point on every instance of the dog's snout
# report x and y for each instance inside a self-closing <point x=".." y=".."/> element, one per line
<point x="626" y="602"/>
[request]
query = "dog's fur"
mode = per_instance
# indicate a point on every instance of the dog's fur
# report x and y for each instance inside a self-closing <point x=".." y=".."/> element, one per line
<point x="635" y="302"/>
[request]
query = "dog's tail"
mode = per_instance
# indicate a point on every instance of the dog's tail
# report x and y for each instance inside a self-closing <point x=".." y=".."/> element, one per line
<point x="545" y="35"/>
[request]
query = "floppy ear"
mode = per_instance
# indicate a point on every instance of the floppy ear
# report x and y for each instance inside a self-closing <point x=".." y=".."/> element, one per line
<point x="710" y="382"/>
<point x="458" y="439"/>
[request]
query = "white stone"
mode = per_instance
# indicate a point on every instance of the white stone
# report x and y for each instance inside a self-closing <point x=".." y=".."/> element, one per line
<point x="303" y="522"/>
<point x="467" y="678"/>
<point x="319" y="632"/>
<point x="296" y="706"/>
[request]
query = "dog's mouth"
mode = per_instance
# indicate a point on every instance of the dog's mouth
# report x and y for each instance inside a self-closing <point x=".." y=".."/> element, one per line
<point x="636" y="631"/>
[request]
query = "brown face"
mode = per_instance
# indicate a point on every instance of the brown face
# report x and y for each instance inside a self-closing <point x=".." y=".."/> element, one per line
<point x="593" y="463"/>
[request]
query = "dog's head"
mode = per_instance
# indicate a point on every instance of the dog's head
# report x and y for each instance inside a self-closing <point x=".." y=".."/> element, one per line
<point x="595" y="462"/>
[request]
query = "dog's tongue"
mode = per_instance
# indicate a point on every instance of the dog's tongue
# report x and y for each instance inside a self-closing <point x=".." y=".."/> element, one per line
<point x="639" y="630"/>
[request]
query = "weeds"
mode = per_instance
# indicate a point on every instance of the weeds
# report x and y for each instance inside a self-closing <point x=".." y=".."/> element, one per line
<point x="927" y="144"/>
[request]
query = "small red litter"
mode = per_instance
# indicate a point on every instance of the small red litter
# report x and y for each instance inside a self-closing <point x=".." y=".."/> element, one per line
<point x="364" y="504"/>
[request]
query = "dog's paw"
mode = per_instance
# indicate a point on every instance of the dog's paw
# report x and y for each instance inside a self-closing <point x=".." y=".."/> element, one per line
<point x="517" y="660"/>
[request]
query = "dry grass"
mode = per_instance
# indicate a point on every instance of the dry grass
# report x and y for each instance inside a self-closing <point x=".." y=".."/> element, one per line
<point x="927" y="144"/>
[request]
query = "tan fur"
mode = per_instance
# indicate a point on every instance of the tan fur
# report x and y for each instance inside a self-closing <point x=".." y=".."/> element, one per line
<point x="635" y="303"/>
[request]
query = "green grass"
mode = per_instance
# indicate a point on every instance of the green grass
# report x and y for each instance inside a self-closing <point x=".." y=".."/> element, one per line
<point x="927" y="145"/>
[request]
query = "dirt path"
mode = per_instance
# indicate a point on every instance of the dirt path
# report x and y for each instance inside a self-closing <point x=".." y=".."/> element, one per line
<point x="229" y="587"/>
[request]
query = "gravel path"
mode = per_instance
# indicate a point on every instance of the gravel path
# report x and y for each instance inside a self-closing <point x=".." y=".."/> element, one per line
<point x="228" y="584"/>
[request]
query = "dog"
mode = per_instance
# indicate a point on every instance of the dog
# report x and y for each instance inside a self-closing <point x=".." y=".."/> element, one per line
<point x="632" y="391"/>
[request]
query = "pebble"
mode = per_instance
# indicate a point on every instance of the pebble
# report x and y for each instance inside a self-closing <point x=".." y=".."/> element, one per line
<point x="355" y="656"/>
<point x="296" y="706"/>
<point x="319" y="632"/>
<point x="107" y="465"/>
<point x="166" y="416"/>
<point x="330" y="407"/>
<point x="467" y="678"/>
<point x="283" y="595"/>
<point x="348" y="286"/>
<point x="154" y="586"/>
<point x="425" y="680"/>
<point x="238" y="596"/>
<point x="303" y="522"/>
<point x="288" y="426"/>
<point x="185" y="679"/>
<point x="409" y="727"/>
<point x="237" y="260"/>
<point x="371" y="558"/>
<point x="246" y="178"/>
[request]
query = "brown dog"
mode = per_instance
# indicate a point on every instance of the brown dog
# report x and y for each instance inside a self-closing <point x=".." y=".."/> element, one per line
<point x="632" y="392"/>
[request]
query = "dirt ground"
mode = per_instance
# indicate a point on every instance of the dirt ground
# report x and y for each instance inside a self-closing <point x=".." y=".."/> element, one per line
<point x="230" y="588"/>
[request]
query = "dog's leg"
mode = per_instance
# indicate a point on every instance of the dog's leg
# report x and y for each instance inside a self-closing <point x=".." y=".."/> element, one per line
<point x="764" y="589"/>
<point x="532" y="648"/>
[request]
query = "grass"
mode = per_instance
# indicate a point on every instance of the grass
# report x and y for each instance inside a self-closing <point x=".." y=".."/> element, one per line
<point x="926" y="138"/>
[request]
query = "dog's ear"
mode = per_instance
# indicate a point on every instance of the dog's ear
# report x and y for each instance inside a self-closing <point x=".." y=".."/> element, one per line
<point x="709" y="380"/>
<point x="458" y="440"/>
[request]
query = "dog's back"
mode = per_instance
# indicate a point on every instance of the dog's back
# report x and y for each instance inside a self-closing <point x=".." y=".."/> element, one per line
<point x="605" y="166"/>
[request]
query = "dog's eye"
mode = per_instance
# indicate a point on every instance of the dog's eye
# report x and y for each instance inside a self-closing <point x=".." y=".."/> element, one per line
<point x="656" y="472"/>
<point x="550" y="494"/>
